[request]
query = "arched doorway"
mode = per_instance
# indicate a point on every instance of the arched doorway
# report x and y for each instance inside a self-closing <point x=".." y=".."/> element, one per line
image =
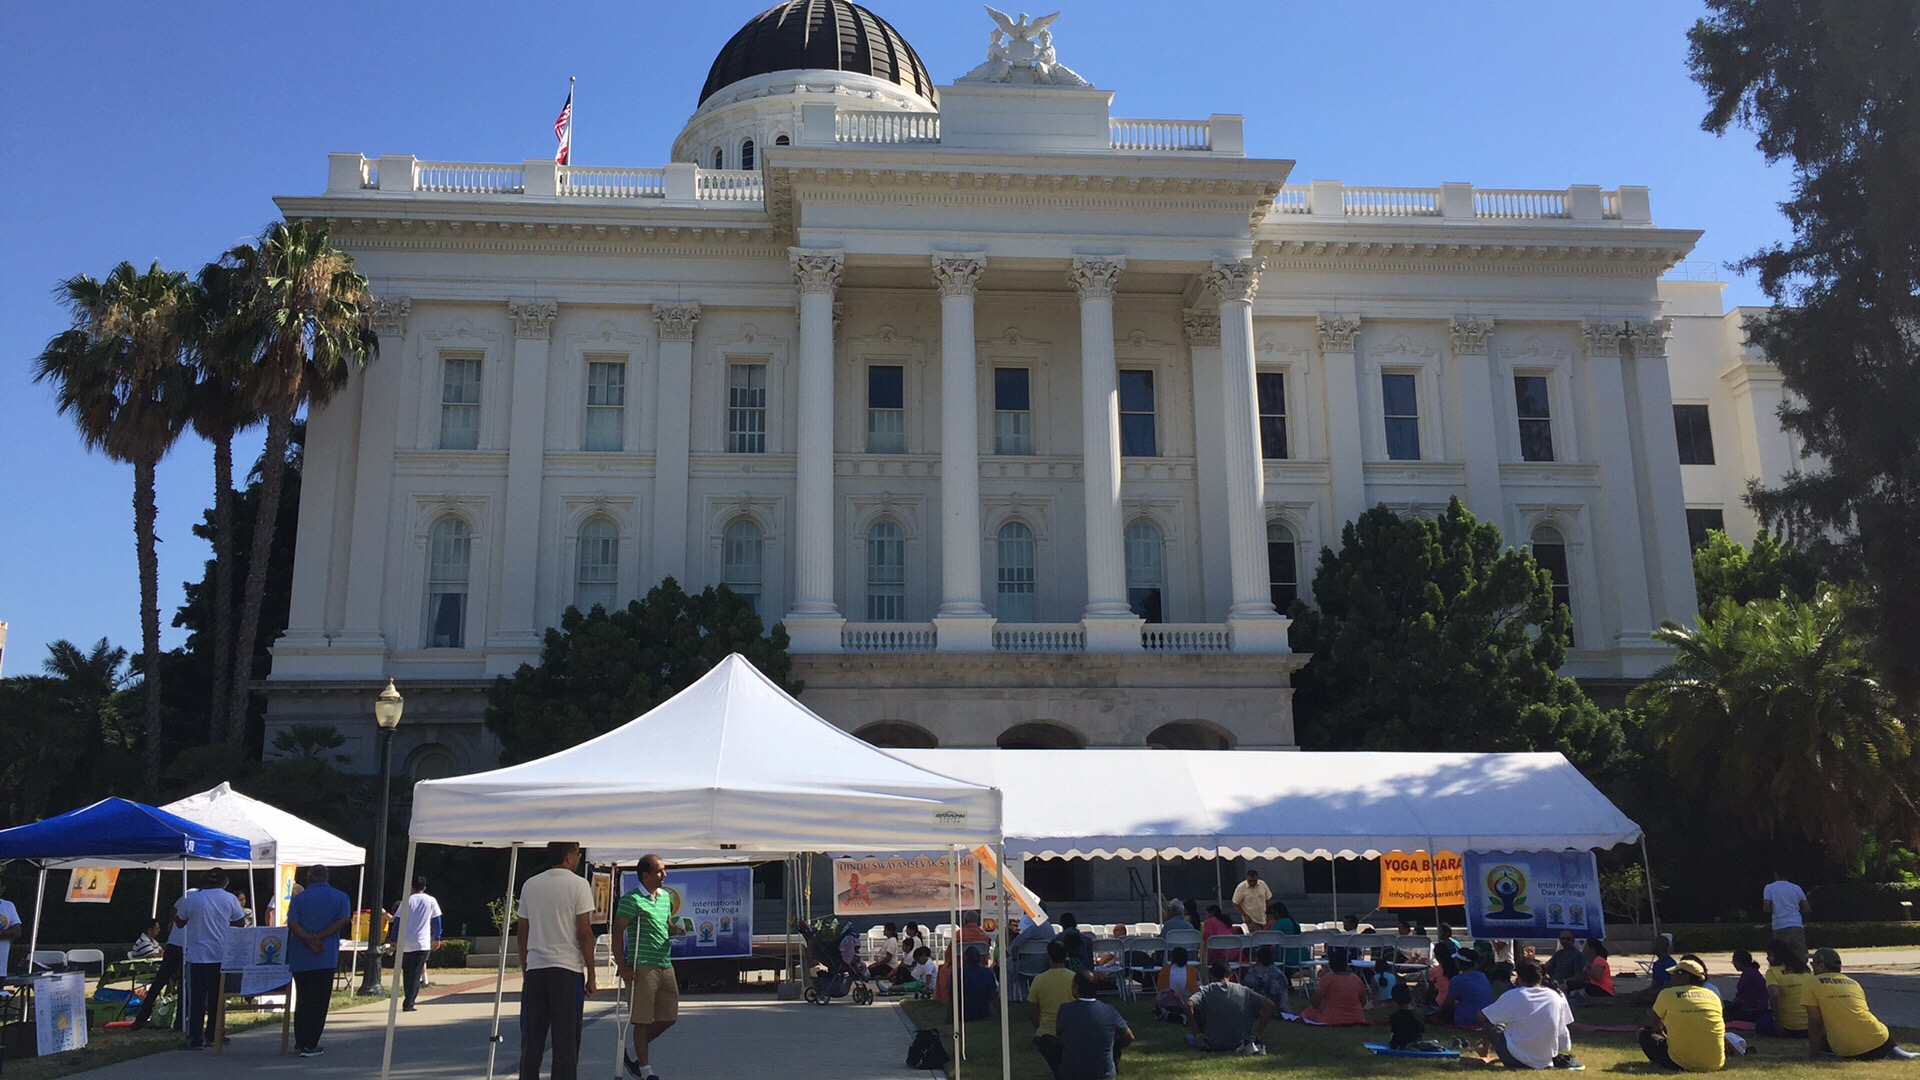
<point x="1189" y="735"/>
<point x="1040" y="735"/>
<point x="898" y="735"/>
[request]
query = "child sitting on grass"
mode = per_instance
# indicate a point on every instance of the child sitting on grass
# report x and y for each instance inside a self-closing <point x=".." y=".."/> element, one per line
<point x="1406" y="1026"/>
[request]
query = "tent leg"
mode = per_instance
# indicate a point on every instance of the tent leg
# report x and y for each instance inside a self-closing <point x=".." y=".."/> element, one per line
<point x="506" y="935"/>
<point x="1433" y="876"/>
<point x="1003" y="940"/>
<point x="1653" y="908"/>
<point x="39" y="906"/>
<point x="953" y="962"/>
<point x="359" y="904"/>
<point x="399" y="935"/>
<point x="155" y="913"/>
<point x="1159" y="892"/>
<point x="617" y="951"/>
<point x="1333" y="875"/>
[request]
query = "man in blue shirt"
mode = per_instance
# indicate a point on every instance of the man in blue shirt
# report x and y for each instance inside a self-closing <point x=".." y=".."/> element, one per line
<point x="1091" y="1032"/>
<point x="315" y="920"/>
<point x="979" y="988"/>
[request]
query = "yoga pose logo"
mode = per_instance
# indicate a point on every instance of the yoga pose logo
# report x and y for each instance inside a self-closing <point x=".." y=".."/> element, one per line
<point x="1507" y="891"/>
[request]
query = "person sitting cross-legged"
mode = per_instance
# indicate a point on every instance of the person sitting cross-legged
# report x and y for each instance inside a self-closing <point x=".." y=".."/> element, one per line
<point x="1787" y="983"/>
<point x="1468" y="991"/>
<point x="1689" y="1032"/>
<point x="1178" y="979"/>
<point x="979" y="988"/>
<point x="1838" y="1020"/>
<point x="1049" y="990"/>
<point x="1092" y="1033"/>
<point x="1528" y="1027"/>
<point x="1268" y="978"/>
<point x="1340" y="997"/>
<point x="1226" y="1017"/>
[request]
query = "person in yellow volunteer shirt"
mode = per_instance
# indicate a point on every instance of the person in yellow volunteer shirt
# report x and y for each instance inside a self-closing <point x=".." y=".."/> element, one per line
<point x="1049" y="990"/>
<point x="1689" y="1033"/>
<point x="1838" y="1020"/>
<point x="1787" y="982"/>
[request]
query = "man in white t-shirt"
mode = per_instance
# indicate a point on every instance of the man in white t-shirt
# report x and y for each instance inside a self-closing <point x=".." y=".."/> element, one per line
<point x="9" y="927"/>
<point x="555" y="929"/>
<point x="1528" y="1025"/>
<point x="422" y="922"/>
<point x="1251" y="898"/>
<point x="1787" y="904"/>
<point x="201" y="920"/>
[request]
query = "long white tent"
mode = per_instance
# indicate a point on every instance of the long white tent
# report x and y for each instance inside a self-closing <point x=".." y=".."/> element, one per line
<point x="1284" y="804"/>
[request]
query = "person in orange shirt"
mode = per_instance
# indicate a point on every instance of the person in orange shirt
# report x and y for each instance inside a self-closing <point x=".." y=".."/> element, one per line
<point x="1340" y="998"/>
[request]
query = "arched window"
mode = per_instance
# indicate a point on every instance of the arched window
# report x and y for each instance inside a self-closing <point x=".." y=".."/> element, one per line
<point x="740" y="561"/>
<point x="432" y="762"/>
<point x="1146" y="570"/>
<point x="746" y="154"/>
<point x="1188" y="735"/>
<point x="782" y="140"/>
<point x="1550" y="551"/>
<point x="1283" y="566"/>
<point x="449" y="562"/>
<point x="596" y="575"/>
<point x="719" y="158"/>
<point x="898" y="734"/>
<point x="1016" y="581"/>
<point x="886" y="573"/>
<point x="1040" y="735"/>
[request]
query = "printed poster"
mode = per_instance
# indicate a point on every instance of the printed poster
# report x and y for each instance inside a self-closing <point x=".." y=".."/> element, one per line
<point x="603" y="896"/>
<point x="906" y="885"/>
<point x="1408" y="879"/>
<point x="1533" y="894"/>
<point x="712" y="910"/>
<point x="285" y="884"/>
<point x="60" y="1012"/>
<point x="991" y="878"/>
<point x="258" y="954"/>
<point x="91" y="885"/>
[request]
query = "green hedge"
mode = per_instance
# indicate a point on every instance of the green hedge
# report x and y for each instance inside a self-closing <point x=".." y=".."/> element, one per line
<point x="452" y="952"/>
<point x="1724" y="937"/>
<point x="1863" y="901"/>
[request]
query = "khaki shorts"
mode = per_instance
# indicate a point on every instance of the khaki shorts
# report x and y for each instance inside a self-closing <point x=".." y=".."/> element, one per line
<point x="656" y="995"/>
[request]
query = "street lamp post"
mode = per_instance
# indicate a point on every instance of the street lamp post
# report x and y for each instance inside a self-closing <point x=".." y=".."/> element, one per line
<point x="386" y="712"/>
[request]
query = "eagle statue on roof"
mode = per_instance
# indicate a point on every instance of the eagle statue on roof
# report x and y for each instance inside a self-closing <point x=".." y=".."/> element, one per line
<point x="1021" y="50"/>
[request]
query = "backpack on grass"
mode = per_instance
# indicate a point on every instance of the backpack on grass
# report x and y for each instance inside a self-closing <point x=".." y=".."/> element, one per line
<point x="927" y="1051"/>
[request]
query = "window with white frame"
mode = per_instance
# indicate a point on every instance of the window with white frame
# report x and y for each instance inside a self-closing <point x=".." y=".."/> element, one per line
<point x="1016" y="580"/>
<point x="886" y="573"/>
<point x="1530" y="402"/>
<point x="886" y="409"/>
<point x="746" y="154"/>
<point x="1012" y="410"/>
<point x="1400" y="403"/>
<point x="1137" y="435"/>
<point x="1146" y="571"/>
<point x="746" y="408"/>
<point x="1694" y="430"/>
<point x="1550" y="552"/>
<point x="460" y="403"/>
<point x="449" y="565"/>
<point x="1283" y="566"/>
<point x="742" y="545"/>
<point x="782" y="139"/>
<point x="1271" y="390"/>
<point x="596" y="573"/>
<point x="606" y="405"/>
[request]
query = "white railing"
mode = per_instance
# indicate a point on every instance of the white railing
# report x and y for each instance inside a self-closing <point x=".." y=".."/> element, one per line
<point x="729" y="185"/>
<point x="1293" y="200"/>
<point x="1610" y="205"/>
<point x="1160" y="134"/>
<point x="885" y="127"/>
<point x="468" y="178"/>
<point x="887" y="637"/>
<point x="1186" y="638"/>
<point x="1039" y="637"/>
<point x="1391" y="202"/>
<point x="1519" y="204"/>
<point x="608" y="183"/>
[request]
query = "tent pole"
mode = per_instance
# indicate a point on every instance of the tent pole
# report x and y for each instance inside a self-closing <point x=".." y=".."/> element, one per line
<point x="1333" y="875"/>
<point x="399" y="936"/>
<point x="1218" y="888"/>
<point x="39" y="906"/>
<point x="506" y="934"/>
<point x="1002" y="940"/>
<point x="1159" y="891"/>
<point x="1433" y="876"/>
<point x="359" y="904"/>
<point x="155" y="914"/>
<point x="1652" y="907"/>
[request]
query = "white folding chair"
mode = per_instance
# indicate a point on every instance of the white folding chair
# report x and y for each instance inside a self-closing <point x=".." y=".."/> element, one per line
<point x="1141" y="955"/>
<point x="46" y="960"/>
<point x="81" y="957"/>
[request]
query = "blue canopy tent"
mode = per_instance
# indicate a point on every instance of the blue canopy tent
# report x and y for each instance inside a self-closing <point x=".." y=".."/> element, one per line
<point x="124" y="832"/>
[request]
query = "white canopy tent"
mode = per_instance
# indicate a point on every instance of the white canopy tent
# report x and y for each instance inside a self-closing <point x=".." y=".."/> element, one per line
<point x="732" y="764"/>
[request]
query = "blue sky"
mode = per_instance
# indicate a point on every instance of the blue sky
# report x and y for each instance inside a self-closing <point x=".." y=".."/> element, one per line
<point x="147" y="131"/>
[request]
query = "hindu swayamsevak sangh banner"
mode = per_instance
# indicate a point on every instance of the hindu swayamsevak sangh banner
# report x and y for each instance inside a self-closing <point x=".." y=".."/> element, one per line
<point x="1409" y="879"/>
<point x="906" y="885"/>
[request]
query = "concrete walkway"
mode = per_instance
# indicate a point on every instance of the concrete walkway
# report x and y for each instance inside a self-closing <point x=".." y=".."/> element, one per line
<point x="741" y="1038"/>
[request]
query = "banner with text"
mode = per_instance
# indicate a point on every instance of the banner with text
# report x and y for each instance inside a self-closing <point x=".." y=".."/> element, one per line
<point x="91" y="885"/>
<point x="286" y="879"/>
<point x="258" y="954"/>
<point x="901" y="886"/>
<point x="1533" y="894"/>
<point x="60" y="1012"/>
<point x="1409" y="879"/>
<point x="991" y="877"/>
<point x="712" y="910"/>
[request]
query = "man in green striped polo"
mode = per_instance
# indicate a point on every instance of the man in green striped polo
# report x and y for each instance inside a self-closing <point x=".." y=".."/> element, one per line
<point x="643" y="919"/>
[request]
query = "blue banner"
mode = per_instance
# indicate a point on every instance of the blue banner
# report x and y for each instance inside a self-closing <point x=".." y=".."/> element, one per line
<point x="712" y="911"/>
<point x="1533" y="894"/>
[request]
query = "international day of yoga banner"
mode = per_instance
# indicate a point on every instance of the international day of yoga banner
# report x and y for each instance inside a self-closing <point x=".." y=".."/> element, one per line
<point x="712" y="911"/>
<point x="1533" y="894"/>
<point x="908" y="885"/>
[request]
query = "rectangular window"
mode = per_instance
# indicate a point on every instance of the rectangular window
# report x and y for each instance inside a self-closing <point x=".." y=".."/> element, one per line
<point x="1695" y="433"/>
<point x="1701" y="522"/>
<point x="1271" y="387"/>
<point x="1137" y="438"/>
<point x="886" y="409"/>
<point x="1551" y="555"/>
<point x="1400" y="398"/>
<point x="606" y="405"/>
<point x="460" y="404"/>
<point x="1536" y="417"/>
<point x="746" y="408"/>
<point x="1012" y="411"/>
<point x="1283" y="575"/>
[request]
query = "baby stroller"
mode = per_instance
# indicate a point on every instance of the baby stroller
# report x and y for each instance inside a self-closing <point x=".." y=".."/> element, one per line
<point x="831" y="944"/>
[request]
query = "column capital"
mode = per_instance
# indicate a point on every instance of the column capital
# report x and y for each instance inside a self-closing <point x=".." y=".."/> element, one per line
<point x="1202" y="326"/>
<point x="1234" y="279"/>
<point x="675" y="320"/>
<point x="1094" y="276"/>
<point x="532" y="318"/>
<point x="1649" y="336"/>
<point x="1337" y="332"/>
<point x="388" y="315"/>
<point x="958" y="275"/>
<point x="1469" y="335"/>
<point x="1602" y="337"/>
<point x="817" y="270"/>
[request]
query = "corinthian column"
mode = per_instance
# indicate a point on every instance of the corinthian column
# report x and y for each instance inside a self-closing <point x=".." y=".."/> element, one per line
<point x="1478" y="427"/>
<point x="361" y="647"/>
<point x="1342" y="369"/>
<point x="1255" y="626"/>
<point x="962" y="624"/>
<point x="1110" y="623"/>
<point x="814" y="623"/>
<point x="518" y="638"/>
<point x="1620" y="498"/>
<point x="674" y="322"/>
<point x="1671" y="555"/>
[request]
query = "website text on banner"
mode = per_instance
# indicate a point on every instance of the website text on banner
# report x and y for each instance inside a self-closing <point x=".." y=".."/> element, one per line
<point x="1533" y="894"/>
<point x="60" y="1012"/>
<point x="901" y="886"/>
<point x="711" y="910"/>
<point x="1408" y="878"/>
<point x="91" y="885"/>
<point x="258" y="954"/>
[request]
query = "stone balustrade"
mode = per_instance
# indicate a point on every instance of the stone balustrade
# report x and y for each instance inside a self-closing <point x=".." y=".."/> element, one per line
<point x="1040" y="637"/>
<point x="885" y="127"/>
<point x="607" y="183"/>
<point x="1160" y="135"/>
<point x="469" y="178"/>
<point x="677" y="184"/>
<point x="1581" y="204"/>
<point x="1186" y="638"/>
<point x="887" y="637"/>
<point x="894" y="637"/>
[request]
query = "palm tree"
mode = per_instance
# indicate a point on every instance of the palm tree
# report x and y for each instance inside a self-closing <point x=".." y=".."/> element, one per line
<point x="87" y="686"/>
<point x="219" y="409"/>
<point x="306" y="329"/>
<point x="118" y="371"/>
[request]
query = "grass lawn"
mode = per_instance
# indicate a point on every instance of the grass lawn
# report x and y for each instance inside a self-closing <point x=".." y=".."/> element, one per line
<point x="1313" y="1053"/>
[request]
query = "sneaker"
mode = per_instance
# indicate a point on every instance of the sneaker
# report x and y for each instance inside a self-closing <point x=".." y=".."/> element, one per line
<point x="631" y="1066"/>
<point x="312" y="1051"/>
<point x="408" y="1008"/>
<point x="1566" y="1061"/>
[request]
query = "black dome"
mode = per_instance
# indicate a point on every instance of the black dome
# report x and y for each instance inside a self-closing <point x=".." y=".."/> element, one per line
<point x="819" y="35"/>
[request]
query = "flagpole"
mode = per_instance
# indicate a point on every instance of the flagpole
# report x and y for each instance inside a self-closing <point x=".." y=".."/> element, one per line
<point x="570" y="124"/>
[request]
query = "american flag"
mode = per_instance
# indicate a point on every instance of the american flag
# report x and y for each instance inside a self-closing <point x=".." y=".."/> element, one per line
<point x="563" y="127"/>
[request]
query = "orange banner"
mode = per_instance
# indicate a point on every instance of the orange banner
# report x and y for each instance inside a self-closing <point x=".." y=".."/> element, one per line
<point x="1408" y="880"/>
<point x="91" y="885"/>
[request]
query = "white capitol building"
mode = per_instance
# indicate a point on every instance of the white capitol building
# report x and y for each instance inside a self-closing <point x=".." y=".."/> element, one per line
<point x="1022" y="417"/>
